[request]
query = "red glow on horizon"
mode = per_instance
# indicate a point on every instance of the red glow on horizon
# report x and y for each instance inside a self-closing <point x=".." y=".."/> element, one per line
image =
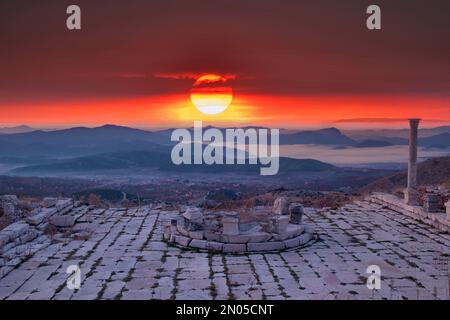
<point x="275" y="111"/>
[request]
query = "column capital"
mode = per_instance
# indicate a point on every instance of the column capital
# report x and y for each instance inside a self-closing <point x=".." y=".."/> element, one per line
<point x="414" y="122"/>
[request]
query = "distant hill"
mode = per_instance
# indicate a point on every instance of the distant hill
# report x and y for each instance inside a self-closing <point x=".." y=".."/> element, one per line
<point x="78" y="142"/>
<point x="56" y="148"/>
<point x="373" y="144"/>
<point x="17" y="129"/>
<point x="160" y="161"/>
<point x="438" y="141"/>
<point x="403" y="134"/>
<point x="434" y="171"/>
<point x="329" y="136"/>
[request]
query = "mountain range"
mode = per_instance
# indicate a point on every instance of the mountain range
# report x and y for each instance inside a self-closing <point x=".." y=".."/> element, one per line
<point x="81" y="141"/>
<point x="161" y="161"/>
<point x="17" y="129"/>
<point x="112" y="147"/>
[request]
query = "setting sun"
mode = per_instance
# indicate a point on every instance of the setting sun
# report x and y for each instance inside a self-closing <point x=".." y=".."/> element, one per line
<point x="210" y="95"/>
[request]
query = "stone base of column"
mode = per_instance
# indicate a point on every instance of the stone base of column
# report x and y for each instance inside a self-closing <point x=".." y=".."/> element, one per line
<point x="411" y="197"/>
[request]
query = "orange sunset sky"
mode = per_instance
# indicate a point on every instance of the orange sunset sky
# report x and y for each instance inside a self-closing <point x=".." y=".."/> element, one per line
<point x="287" y="64"/>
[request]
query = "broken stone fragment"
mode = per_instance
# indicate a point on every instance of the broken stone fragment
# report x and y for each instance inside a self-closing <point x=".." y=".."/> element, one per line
<point x="183" y="241"/>
<point x="200" y="244"/>
<point x="36" y="219"/>
<point x="63" y="204"/>
<point x="280" y="224"/>
<point x="431" y="203"/>
<point x="9" y="210"/>
<point x="30" y="235"/>
<point x="10" y="198"/>
<point x="194" y="215"/>
<point x="296" y="213"/>
<point x="63" y="221"/>
<point x="49" y="202"/>
<point x="281" y="206"/>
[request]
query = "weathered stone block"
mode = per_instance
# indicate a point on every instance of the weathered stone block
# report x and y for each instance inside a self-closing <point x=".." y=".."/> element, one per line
<point x="194" y="215"/>
<point x="183" y="241"/>
<point x="213" y="245"/>
<point x="49" y="202"/>
<point x="296" y="213"/>
<point x="63" y="204"/>
<point x="41" y="239"/>
<point x="181" y="229"/>
<point x="245" y="238"/>
<point x="265" y="246"/>
<point x="230" y="223"/>
<point x="304" y="238"/>
<point x="212" y="236"/>
<point x="63" y="221"/>
<point x="292" y="243"/>
<point x="201" y="244"/>
<point x="196" y="235"/>
<point x="233" y="248"/>
<point x="36" y="219"/>
<point x="15" y="230"/>
<point x="43" y="226"/>
<point x="431" y="203"/>
<point x="292" y="231"/>
<point x="4" y="239"/>
<point x="280" y="224"/>
<point x="8" y="247"/>
<point x="30" y="235"/>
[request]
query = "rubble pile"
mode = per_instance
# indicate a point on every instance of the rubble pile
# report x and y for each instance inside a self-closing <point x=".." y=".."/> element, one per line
<point x="53" y="220"/>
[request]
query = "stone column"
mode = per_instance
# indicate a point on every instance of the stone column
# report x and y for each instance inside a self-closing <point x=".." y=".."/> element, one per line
<point x="411" y="189"/>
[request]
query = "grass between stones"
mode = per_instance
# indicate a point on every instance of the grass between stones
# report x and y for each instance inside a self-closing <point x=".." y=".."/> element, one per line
<point x="212" y="287"/>
<point x="225" y="271"/>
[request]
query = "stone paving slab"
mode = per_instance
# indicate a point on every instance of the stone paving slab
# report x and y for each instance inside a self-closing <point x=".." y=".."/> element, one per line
<point x="125" y="258"/>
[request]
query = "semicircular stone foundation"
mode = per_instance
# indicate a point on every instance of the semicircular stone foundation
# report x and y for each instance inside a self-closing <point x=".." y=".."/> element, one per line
<point x="222" y="231"/>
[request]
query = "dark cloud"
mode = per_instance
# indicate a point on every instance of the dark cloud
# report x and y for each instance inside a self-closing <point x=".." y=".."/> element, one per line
<point x="276" y="47"/>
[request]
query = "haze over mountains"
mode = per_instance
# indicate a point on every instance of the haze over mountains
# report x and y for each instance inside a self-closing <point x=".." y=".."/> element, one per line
<point x="113" y="147"/>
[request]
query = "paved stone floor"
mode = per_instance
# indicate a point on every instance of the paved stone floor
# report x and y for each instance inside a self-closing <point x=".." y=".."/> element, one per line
<point x="126" y="259"/>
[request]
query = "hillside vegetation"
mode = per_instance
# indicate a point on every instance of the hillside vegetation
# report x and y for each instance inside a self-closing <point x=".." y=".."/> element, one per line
<point x="434" y="171"/>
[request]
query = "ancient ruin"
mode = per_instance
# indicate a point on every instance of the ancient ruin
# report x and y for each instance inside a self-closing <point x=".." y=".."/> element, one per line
<point x="159" y="251"/>
<point x="271" y="229"/>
